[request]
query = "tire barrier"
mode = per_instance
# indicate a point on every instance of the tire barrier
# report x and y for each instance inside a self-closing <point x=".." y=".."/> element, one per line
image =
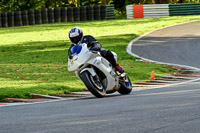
<point x="76" y="13"/>
<point x="44" y="13"/>
<point x="10" y="17"/>
<point x="31" y="17"/>
<point x="70" y="15"/>
<point x="97" y="15"/>
<point x="103" y="12"/>
<point x="0" y="20"/>
<point x="25" y="18"/>
<point x="51" y="15"/>
<point x="4" y="22"/>
<point x="57" y="15"/>
<point x="83" y="13"/>
<point x="18" y="18"/>
<point x="64" y="14"/>
<point x="38" y="16"/>
<point x="90" y="13"/>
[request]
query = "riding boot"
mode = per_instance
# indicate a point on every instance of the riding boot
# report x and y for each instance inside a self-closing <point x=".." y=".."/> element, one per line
<point x="119" y="68"/>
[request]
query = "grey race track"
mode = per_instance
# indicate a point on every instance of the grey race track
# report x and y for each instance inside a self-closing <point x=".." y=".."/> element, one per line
<point x="164" y="110"/>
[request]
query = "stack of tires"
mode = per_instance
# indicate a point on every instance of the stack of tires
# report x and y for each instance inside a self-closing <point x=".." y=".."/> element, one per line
<point x="25" y="17"/>
<point x="90" y="13"/>
<point x="83" y="13"/>
<point x="52" y="15"/>
<point x="97" y="13"/>
<point x="10" y="19"/>
<point x="57" y="18"/>
<point x="31" y="17"/>
<point x="64" y="14"/>
<point x="76" y="14"/>
<point x="4" y="22"/>
<point x="38" y="16"/>
<point x="44" y="13"/>
<point x="70" y="14"/>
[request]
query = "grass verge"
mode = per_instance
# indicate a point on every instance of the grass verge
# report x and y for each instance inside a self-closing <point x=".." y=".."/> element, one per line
<point x="33" y="59"/>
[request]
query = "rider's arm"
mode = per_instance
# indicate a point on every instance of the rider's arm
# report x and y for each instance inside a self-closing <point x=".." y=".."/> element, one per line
<point x="69" y="52"/>
<point x="93" y="44"/>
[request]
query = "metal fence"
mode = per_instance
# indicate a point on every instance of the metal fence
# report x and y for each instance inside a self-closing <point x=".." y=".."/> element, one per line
<point x="159" y="10"/>
<point x="55" y="15"/>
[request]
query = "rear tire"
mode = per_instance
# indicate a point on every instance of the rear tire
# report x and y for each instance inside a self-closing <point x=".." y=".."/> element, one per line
<point x="94" y="85"/>
<point x="126" y="86"/>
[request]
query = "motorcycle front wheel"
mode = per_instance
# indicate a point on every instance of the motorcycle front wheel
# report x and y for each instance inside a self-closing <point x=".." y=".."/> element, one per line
<point x="94" y="84"/>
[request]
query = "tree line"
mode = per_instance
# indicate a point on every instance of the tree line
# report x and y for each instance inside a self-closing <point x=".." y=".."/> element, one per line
<point x="19" y="5"/>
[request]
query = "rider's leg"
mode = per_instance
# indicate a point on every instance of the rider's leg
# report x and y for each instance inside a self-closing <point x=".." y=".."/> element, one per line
<point x="110" y="57"/>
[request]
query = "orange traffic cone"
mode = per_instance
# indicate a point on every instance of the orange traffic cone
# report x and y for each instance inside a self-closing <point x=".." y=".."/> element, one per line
<point x="152" y="75"/>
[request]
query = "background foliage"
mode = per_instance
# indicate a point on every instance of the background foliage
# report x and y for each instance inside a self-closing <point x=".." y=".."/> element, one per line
<point x="19" y="5"/>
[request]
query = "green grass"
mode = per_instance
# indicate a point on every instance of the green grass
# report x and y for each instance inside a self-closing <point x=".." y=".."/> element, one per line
<point x="33" y="59"/>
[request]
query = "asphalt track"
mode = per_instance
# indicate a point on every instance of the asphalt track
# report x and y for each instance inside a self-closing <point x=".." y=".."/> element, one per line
<point x="172" y="109"/>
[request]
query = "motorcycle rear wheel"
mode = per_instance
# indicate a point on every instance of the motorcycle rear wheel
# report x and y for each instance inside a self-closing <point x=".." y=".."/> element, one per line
<point x="93" y="84"/>
<point x="126" y="86"/>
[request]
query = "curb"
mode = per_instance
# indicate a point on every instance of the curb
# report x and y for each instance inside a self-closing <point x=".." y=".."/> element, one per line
<point x="188" y="78"/>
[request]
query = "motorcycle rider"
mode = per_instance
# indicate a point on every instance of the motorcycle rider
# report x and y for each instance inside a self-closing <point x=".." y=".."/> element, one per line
<point x="76" y="36"/>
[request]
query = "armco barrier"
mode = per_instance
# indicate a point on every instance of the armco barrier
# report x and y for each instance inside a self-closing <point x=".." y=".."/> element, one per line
<point x="110" y="11"/>
<point x="159" y="10"/>
<point x="52" y="15"/>
<point x="184" y="9"/>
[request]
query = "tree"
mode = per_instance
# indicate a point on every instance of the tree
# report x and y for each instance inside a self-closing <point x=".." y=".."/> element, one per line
<point x="104" y="2"/>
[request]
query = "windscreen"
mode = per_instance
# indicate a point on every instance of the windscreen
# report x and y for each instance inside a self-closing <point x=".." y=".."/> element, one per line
<point x="76" y="49"/>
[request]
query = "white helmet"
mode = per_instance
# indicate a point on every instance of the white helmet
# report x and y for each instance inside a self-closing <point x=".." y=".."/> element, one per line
<point x="75" y="35"/>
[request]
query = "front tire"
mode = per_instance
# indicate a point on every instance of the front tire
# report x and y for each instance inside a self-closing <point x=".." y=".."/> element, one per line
<point x="126" y="86"/>
<point x="94" y="85"/>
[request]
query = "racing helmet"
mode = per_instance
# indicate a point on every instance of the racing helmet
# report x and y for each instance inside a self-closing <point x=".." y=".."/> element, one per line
<point x="75" y="35"/>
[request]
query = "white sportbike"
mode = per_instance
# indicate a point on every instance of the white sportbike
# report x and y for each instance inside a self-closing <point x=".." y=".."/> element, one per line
<point x="96" y="72"/>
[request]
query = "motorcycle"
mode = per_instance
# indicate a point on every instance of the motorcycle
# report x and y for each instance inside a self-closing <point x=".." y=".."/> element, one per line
<point x="98" y="75"/>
